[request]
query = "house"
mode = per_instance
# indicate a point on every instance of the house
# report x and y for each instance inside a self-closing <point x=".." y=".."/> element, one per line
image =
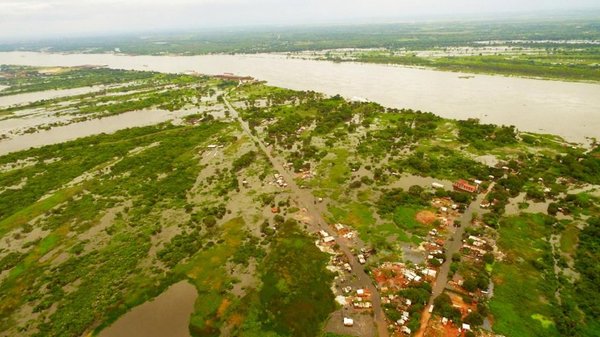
<point x="429" y="272"/>
<point x="348" y="321"/>
<point x="361" y="259"/>
<point x="466" y="326"/>
<point x="463" y="185"/>
<point x="328" y="239"/>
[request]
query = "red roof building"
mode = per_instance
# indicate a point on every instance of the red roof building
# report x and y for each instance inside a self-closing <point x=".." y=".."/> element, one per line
<point x="463" y="185"/>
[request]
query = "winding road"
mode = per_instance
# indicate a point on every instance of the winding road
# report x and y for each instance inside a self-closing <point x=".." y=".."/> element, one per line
<point x="306" y="199"/>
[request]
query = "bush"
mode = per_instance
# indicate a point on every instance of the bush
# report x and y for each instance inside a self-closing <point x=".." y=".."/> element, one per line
<point x="355" y="184"/>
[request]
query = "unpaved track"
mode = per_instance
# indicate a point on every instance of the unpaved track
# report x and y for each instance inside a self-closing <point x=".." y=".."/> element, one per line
<point x="452" y="246"/>
<point x="304" y="198"/>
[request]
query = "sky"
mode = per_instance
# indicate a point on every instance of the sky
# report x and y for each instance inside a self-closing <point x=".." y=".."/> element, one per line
<point x="30" y="19"/>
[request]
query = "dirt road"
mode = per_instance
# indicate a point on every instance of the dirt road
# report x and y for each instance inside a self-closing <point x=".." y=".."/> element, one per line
<point x="304" y="198"/>
<point x="452" y="246"/>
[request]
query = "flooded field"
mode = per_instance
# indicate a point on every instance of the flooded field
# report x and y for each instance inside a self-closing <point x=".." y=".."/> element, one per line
<point x="408" y="180"/>
<point x="87" y="128"/>
<point x="528" y="206"/>
<point x="166" y="315"/>
<point x="563" y="108"/>
<point x="6" y="101"/>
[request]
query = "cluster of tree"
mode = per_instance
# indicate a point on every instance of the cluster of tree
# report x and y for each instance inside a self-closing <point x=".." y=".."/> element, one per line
<point x="180" y="247"/>
<point x="390" y="199"/>
<point x="418" y="294"/>
<point x="442" y="305"/>
<point x="251" y="248"/>
<point x="24" y="79"/>
<point x="243" y="161"/>
<point x="284" y="130"/>
<point x="583" y="167"/>
<point x="331" y="112"/>
<point x="484" y="136"/>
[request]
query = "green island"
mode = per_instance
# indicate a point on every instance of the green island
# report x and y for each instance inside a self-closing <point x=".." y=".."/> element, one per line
<point x="291" y="213"/>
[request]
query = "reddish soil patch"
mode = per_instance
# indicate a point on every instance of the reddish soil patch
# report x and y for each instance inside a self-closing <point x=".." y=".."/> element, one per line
<point x="223" y="307"/>
<point x="425" y="217"/>
<point x="435" y="328"/>
<point x="236" y="319"/>
<point x="463" y="307"/>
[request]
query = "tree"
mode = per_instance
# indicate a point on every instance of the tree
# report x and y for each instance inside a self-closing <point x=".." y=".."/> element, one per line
<point x="443" y="306"/>
<point x="488" y="258"/>
<point x="415" y="190"/>
<point x="210" y="221"/>
<point x="552" y="208"/>
<point x="474" y="318"/>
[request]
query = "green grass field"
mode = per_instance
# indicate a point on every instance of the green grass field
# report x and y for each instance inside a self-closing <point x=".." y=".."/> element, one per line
<point x="524" y="285"/>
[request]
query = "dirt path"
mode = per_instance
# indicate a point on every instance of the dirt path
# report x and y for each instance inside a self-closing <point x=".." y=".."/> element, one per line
<point x="452" y="246"/>
<point x="304" y="198"/>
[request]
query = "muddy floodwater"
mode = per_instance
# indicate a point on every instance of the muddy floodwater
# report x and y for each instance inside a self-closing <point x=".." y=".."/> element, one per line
<point x="41" y="95"/>
<point x="166" y="315"/>
<point x="65" y="133"/>
<point x="567" y="109"/>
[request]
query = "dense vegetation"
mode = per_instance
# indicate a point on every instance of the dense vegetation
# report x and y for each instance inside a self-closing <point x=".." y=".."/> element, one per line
<point x="295" y="297"/>
<point x="413" y="35"/>
<point x="571" y="63"/>
<point x="22" y="79"/>
<point x="587" y="289"/>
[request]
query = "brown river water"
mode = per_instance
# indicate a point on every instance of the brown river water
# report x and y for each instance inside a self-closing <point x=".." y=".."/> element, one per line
<point x="567" y="109"/>
<point x="167" y="315"/>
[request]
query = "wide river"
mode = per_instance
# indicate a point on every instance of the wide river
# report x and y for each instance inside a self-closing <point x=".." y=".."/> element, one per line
<point x="568" y="109"/>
